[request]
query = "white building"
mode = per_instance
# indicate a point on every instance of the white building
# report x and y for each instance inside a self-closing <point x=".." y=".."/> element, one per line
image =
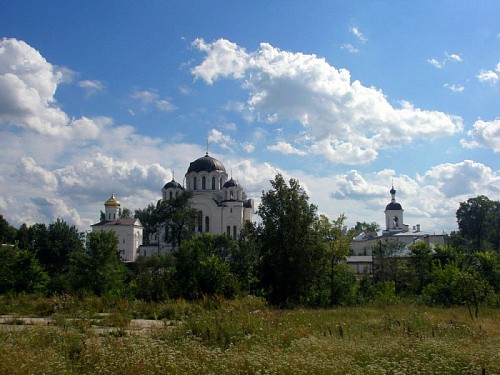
<point x="128" y="231"/>
<point x="395" y="230"/>
<point x="222" y="204"/>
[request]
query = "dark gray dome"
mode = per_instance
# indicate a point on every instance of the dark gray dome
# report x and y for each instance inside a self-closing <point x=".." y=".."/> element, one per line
<point x="230" y="183"/>
<point x="393" y="206"/>
<point x="173" y="184"/>
<point x="206" y="164"/>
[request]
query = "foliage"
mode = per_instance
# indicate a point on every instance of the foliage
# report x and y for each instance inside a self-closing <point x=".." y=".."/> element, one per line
<point x="364" y="227"/>
<point x="201" y="267"/>
<point x="7" y="232"/>
<point x="20" y="271"/>
<point x="154" y="277"/>
<point x="148" y="219"/>
<point x="291" y="252"/>
<point x="98" y="269"/>
<point x="478" y="220"/>
<point x="177" y="218"/>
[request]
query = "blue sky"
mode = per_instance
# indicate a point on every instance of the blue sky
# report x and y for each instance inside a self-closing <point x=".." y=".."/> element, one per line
<point x="348" y="97"/>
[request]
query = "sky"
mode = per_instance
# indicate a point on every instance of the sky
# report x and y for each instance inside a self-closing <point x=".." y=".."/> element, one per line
<point x="348" y="97"/>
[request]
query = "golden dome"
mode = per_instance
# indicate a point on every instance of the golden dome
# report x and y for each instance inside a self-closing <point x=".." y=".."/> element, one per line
<point x="112" y="202"/>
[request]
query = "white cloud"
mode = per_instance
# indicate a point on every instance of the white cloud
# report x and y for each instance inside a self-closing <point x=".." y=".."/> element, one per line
<point x="150" y="98"/>
<point x="285" y="148"/>
<point x="435" y="63"/>
<point x="349" y="47"/>
<point x="338" y="114"/>
<point x="91" y="87"/>
<point x="248" y="147"/>
<point x="487" y="76"/>
<point x="485" y="134"/>
<point x="223" y="140"/>
<point x="454" y="88"/>
<point x="453" y="57"/>
<point x="358" y="34"/>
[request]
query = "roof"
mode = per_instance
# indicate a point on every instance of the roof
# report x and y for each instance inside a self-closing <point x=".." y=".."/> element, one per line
<point x="393" y="206"/>
<point x="122" y="222"/>
<point x="173" y="184"/>
<point x="112" y="201"/>
<point x="230" y="183"/>
<point x="206" y="164"/>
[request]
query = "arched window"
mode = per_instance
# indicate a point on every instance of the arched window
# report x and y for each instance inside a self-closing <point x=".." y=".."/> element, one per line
<point x="234" y="232"/>
<point x="170" y="195"/>
<point x="220" y="183"/>
<point x="213" y="183"/>
<point x="200" y="221"/>
<point x="207" y="224"/>
<point x="229" y="231"/>
<point x="203" y="183"/>
<point x="194" y="183"/>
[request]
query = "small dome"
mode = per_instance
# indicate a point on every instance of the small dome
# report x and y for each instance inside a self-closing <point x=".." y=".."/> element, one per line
<point x="393" y="207"/>
<point x="392" y="191"/>
<point x="230" y="183"/>
<point x="206" y="164"/>
<point x="173" y="184"/>
<point x="112" y="202"/>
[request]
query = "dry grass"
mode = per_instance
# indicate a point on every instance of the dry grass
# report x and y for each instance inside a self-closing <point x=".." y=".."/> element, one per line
<point x="244" y="337"/>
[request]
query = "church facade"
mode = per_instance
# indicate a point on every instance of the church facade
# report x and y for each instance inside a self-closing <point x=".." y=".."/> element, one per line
<point x="395" y="230"/>
<point x="221" y="202"/>
<point x="128" y="231"/>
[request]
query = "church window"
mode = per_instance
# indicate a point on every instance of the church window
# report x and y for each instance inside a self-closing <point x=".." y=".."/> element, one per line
<point x="200" y="221"/>
<point x="229" y="231"/>
<point x="176" y="194"/>
<point x="213" y="183"/>
<point x="220" y="183"/>
<point x="170" y="195"/>
<point x="234" y="232"/>
<point x="232" y="194"/>
<point x="194" y="183"/>
<point x="207" y="224"/>
<point x="203" y="183"/>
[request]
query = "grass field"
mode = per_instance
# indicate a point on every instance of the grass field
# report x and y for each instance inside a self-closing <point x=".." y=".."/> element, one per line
<point x="244" y="337"/>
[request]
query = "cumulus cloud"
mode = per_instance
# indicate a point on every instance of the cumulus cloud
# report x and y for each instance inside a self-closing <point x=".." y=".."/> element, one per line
<point x="337" y="113"/>
<point x="484" y="134"/>
<point x="151" y="99"/>
<point x="430" y="199"/>
<point x="223" y="140"/>
<point x="285" y="148"/>
<point x="487" y="76"/>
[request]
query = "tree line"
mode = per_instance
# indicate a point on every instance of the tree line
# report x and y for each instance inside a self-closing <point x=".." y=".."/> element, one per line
<point x="293" y="257"/>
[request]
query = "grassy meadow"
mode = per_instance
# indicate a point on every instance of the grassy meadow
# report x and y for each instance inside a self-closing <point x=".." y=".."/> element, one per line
<point x="93" y="336"/>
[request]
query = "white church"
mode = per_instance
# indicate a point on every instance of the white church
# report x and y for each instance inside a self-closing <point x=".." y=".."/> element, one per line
<point x="222" y="205"/>
<point x="395" y="231"/>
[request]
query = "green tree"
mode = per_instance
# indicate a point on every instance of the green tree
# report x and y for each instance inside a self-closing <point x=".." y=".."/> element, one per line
<point x="149" y="221"/>
<point x="125" y="213"/>
<point x="420" y="265"/>
<point x="7" y="232"/>
<point x="154" y="277"/>
<point x="336" y="239"/>
<point x="98" y="268"/>
<point x="202" y="269"/>
<point x="20" y="271"/>
<point x="177" y="217"/>
<point x="473" y="219"/>
<point x="365" y="227"/>
<point x="244" y="259"/>
<point x="291" y="252"/>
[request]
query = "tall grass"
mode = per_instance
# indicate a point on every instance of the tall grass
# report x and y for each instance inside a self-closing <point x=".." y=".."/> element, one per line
<point x="244" y="336"/>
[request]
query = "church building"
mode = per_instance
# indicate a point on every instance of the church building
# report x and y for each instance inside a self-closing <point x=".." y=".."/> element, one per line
<point x="128" y="231"/>
<point x="222" y="204"/>
<point x="395" y="231"/>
